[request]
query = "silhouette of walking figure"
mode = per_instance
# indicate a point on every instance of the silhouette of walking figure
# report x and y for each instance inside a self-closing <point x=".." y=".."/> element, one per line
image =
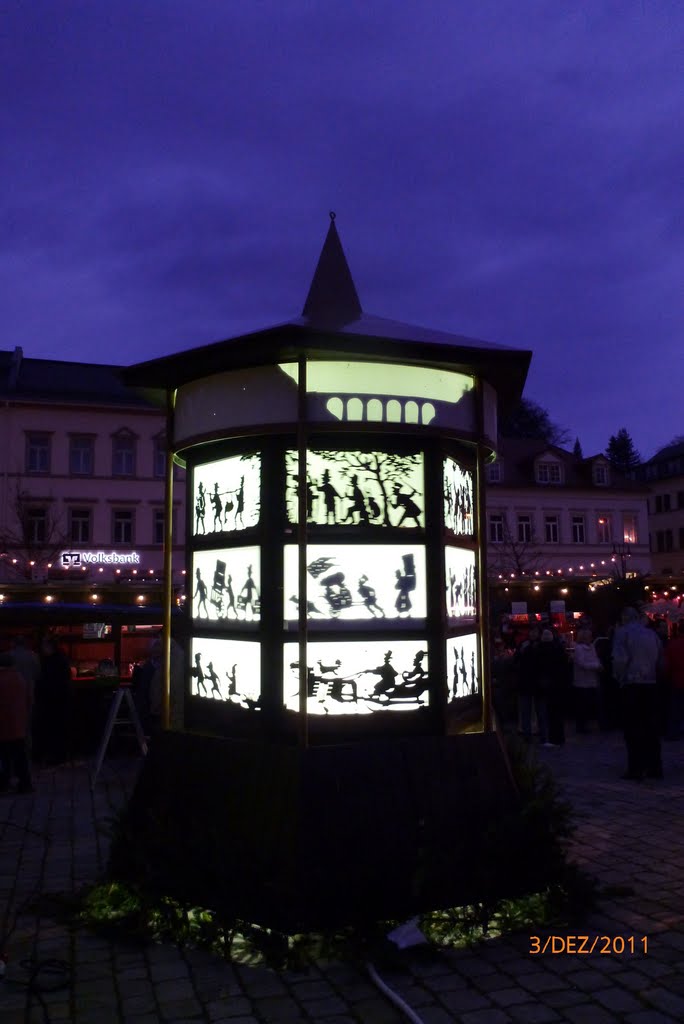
<point x="232" y="680"/>
<point x="201" y="594"/>
<point x="358" y="502"/>
<point x="215" y="499"/>
<point x="210" y="674"/>
<point x="200" y="509"/>
<point x="329" y="493"/>
<point x="367" y="593"/>
<point x="405" y="501"/>
<point x="198" y="674"/>
<point x="230" y="597"/>
<point x="240" y="503"/>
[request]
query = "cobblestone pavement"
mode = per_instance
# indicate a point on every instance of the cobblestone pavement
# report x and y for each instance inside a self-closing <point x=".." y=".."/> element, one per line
<point x="630" y="835"/>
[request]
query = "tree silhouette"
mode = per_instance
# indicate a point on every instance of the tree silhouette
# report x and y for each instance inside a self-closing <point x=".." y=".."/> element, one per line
<point x="528" y="420"/>
<point x="521" y="557"/>
<point x="621" y="451"/>
<point x="577" y="449"/>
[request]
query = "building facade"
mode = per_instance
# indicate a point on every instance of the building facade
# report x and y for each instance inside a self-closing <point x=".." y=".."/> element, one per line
<point x="664" y="476"/>
<point x="82" y="470"/>
<point x="551" y="516"/>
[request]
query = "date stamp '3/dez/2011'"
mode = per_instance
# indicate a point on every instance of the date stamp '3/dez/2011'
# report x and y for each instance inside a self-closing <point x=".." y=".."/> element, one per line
<point x="604" y="945"/>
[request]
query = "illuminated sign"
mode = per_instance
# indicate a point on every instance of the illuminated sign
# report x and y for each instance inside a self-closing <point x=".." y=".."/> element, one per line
<point x="75" y="559"/>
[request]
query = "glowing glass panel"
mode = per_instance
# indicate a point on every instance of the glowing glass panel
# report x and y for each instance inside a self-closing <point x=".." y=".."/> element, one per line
<point x="261" y="394"/>
<point x="226" y="670"/>
<point x="459" y="508"/>
<point x="461" y="590"/>
<point x="226" y="585"/>
<point x="463" y="666"/>
<point x="350" y="378"/>
<point x="226" y="495"/>
<point x="351" y="581"/>
<point x="348" y="678"/>
<point x="359" y="488"/>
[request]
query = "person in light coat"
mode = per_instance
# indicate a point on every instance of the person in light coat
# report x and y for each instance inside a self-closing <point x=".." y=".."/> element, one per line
<point x="586" y="675"/>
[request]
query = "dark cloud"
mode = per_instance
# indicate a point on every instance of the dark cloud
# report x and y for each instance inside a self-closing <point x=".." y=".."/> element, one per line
<point x="502" y="169"/>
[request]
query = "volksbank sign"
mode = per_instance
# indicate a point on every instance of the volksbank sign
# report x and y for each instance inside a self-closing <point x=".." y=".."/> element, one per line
<point x="76" y="559"/>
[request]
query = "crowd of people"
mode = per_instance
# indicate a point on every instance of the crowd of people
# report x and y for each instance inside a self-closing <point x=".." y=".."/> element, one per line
<point x="630" y="677"/>
<point x="36" y="704"/>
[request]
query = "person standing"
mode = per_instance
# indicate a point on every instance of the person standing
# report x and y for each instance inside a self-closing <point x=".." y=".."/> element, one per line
<point x="552" y="675"/>
<point x="586" y="673"/>
<point x="52" y="706"/>
<point x="637" y="660"/>
<point x="674" y="673"/>
<point x="15" y="717"/>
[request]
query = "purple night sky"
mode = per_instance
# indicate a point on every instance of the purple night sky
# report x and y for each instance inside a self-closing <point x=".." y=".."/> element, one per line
<point x="511" y="170"/>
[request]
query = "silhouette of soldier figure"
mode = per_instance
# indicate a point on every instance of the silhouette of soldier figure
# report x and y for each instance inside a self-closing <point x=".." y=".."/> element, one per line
<point x="405" y="501"/>
<point x="200" y="508"/>
<point x="201" y="593"/>
<point x="210" y="674"/>
<point x="329" y="493"/>
<point x="232" y="681"/>
<point x="464" y="674"/>
<point x="215" y="499"/>
<point x="369" y="599"/>
<point x="473" y="680"/>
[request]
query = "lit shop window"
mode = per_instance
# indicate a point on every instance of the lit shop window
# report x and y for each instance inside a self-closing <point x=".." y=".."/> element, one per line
<point x="354" y="581"/>
<point x="458" y="499"/>
<point x="358" y="678"/>
<point x="358" y="488"/>
<point x="226" y="495"/>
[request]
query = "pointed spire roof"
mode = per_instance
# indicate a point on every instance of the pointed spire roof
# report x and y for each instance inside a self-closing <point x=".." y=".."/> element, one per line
<point x="332" y="297"/>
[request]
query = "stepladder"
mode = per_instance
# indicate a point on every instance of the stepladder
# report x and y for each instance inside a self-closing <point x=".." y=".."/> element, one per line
<point x="118" y="716"/>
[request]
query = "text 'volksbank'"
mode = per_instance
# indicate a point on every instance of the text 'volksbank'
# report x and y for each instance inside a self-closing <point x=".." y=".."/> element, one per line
<point x="77" y="558"/>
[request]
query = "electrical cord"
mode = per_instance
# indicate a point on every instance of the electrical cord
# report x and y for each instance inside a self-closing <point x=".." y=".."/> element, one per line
<point x="393" y="996"/>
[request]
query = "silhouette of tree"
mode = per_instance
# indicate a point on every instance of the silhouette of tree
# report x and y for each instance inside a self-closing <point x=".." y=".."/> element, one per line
<point x="521" y="557"/>
<point x="577" y="449"/>
<point x="528" y="420"/>
<point x="621" y="451"/>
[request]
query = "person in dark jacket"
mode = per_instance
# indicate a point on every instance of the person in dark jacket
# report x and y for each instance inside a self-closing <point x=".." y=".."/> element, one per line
<point x="52" y="704"/>
<point x="552" y="676"/>
<point x="530" y="695"/>
<point x="15" y="715"/>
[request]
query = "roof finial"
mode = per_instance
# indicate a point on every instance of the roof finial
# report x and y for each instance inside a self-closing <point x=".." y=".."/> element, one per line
<point x="332" y="215"/>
